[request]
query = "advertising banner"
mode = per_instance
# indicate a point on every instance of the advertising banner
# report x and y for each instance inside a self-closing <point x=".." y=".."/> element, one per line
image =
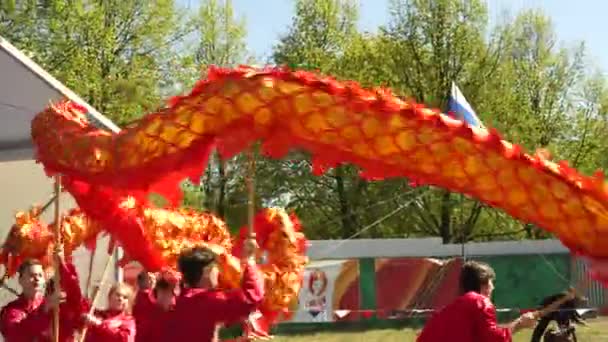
<point x="329" y="292"/>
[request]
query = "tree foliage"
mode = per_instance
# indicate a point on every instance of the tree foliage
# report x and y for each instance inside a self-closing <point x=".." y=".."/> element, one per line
<point x="123" y="57"/>
<point x="112" y="53"/>
<point x="220" y="41"/>
<point x="519" y="80"/>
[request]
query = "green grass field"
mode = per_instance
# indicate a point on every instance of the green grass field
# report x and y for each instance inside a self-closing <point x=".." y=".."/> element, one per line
<point x="596" y="331"/>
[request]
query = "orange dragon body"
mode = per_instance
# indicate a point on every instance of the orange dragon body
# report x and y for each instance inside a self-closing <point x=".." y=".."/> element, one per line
<point x="336" y="122"/>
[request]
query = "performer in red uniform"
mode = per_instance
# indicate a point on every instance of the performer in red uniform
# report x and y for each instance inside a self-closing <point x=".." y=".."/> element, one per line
<point x="113" y="324"/>
<point x="163" y="302"/>
<point x="200" y="309"/>
<point x="472" y="316"/>
<point x="144" y="302"/>
<point x="29" y="317"/>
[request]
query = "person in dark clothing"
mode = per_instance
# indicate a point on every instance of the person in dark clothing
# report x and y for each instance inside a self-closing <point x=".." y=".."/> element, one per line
<point x="566" y="318"/>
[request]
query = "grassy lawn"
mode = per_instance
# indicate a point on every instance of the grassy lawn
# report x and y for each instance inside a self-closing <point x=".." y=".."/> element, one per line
<point x="596" y="331"/>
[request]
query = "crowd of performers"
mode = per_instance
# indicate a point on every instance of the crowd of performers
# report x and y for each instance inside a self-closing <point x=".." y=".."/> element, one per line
<point x="186" y="306"/>
<point x="171" y="306"/>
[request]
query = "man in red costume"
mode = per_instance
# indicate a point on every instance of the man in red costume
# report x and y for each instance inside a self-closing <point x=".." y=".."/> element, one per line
<point x="28" y="318"/>
<point x="472" y="316"/>
<point x="144" y="301"/>
<point x="163" y="302"/>
<point x="200" y="308"/>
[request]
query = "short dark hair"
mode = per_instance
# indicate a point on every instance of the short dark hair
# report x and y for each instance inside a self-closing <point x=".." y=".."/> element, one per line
<point x="164" y="285"/>
<point x="50" y="286"/>
<point x="26" y="264"/>
<point x="191" y="263"/>
<point x="141" y="278"/>
<point x="474" y="275"/>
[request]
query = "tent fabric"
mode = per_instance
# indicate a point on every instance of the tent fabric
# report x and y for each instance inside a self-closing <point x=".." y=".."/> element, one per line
<point x="25" y="90"/>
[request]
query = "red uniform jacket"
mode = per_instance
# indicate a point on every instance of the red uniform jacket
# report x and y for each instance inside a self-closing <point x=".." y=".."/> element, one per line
<point x="25" y="321"/>
<point x="116" y="327"/>
<point x="144" y="309"/>
<point x="470" y="318"/>
<point x="150" y="318"/>
<point x="198" y="312"/>
<point x="157" y="320"/>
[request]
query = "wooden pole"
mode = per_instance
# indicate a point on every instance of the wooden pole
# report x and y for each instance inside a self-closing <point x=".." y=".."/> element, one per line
<point x="572" y="292"/>
<point x="97" y="292"/>
<point x="57" y="249"/>
<point x="251" y="191"/>
<point x="90" y="275"/>
<point x="250" y="215"/>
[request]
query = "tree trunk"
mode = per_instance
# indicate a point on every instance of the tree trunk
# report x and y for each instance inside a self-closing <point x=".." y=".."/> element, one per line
<point x="349" y="223"/>
<point x="207" y="185"/>
<point x="445" y="223"/>
<point x="469" y="224"/>
<point x="221" y="198"/>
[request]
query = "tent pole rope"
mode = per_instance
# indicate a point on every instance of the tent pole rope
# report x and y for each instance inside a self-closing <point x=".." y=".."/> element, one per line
<point x="6" y="287"/>
<point x="48" y="203"/>
<point x="57" y="251"/>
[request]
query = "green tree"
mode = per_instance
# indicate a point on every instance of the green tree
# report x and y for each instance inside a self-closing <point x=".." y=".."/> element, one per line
<point x="544" y="80"/>
<point x="321" y="32"/>
<point x="584" y="145"/>
<point x="220" y="41"/>
<point x="437" y="42"/>
<point x="549" y="92"/>
<point x="432" y="44"/>
<point x="426" y="46"/>
<point x="124" y="56"/>
<point x="112" y="53"/>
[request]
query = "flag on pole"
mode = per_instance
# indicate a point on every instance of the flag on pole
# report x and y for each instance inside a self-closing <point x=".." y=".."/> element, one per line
<point x="459" y="107"/>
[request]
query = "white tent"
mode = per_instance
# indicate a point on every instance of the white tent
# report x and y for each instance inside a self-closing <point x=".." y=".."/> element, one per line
<point x="25" y="90"/>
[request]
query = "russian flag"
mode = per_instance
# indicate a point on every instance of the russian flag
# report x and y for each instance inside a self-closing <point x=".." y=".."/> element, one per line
<point x="459" y="107"/>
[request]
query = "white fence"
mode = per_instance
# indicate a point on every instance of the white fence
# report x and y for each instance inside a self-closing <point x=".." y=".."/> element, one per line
<point x="427" y="247"/>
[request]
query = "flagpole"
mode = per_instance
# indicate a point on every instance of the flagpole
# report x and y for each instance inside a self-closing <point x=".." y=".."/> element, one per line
<point x="462" y="247"/>
<point x="451" y="94"/>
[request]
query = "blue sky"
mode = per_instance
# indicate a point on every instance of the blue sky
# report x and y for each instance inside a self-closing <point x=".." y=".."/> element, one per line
<point x="574" y="20"/>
